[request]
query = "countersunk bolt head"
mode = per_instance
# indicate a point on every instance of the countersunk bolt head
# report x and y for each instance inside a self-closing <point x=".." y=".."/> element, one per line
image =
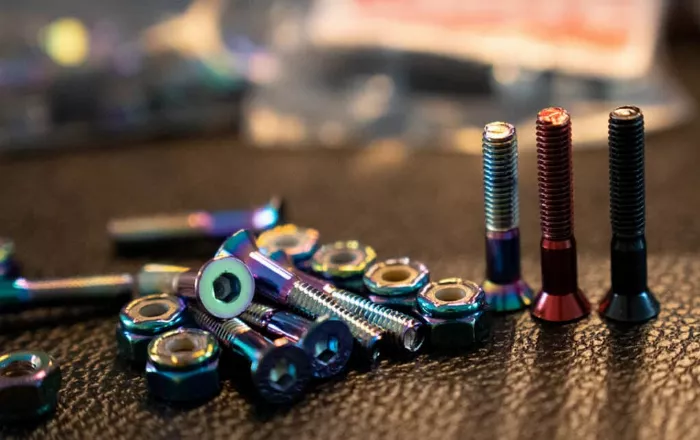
<point x="297" y="242"/>
<point x="343" y="259"/>
<point x="224" y="286"/>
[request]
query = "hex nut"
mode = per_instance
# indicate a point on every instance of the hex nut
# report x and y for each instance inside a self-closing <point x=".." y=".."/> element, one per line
<point x="395" y="282"/>
<point x="456" y="313"/>
<point x="144" y="318"/>
<point x="343" y="262"/>
<point x="29" y="385"/>
<point x="183" y="366"/>
<point x="297" y="242"/>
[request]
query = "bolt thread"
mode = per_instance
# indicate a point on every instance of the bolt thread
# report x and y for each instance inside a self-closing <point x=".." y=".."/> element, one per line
<point x="225" y="331"/>
<point x="500" y="166"/>
<point x="555" y="173"/>
<point x="100" y="283"/>
<point x="402" y="328"/>
<point x="311" y="302"/>
<point x="258" y="314"/>
<point x="626" y="148"/>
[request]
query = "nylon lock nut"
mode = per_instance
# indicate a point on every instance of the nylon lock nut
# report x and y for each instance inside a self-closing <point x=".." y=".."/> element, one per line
<point x="298" y="243"/>
<point x="143" y="319"/>
<point x="29" y="384"/>
<point x="183" y="366"/>
<point x="396" y="282"/>
<point x="344" y="263"/>
<point x="455" y="311"/>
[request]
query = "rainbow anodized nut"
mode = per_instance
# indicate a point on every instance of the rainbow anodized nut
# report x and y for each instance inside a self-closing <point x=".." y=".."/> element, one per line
<point x="29" y="385"/>
<point x="344" y="262"/>
<point x="395" y="282"/>
<point x="143" y="319"/>
<point x="297" y="242"/>
<point x="183" y="366"/>
<point x="455" y="311"/>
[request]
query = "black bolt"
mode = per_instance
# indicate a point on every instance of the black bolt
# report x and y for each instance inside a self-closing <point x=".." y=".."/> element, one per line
<point x="629" y="299"/>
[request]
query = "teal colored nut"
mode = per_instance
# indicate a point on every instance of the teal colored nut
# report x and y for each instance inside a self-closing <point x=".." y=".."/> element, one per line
<point x="29" y="385"/>
<point x="183" y="366"/>
<point x="144" y="318"/>
<point x="298" y="243"/>
<point x="396" y="282"/>
<point x="455" y="311"/>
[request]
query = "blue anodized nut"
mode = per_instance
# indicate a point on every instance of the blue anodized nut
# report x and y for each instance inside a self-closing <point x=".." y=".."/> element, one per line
<point x="29" y="384"/>
<point x="456" y="312"/>
<point x="396" y="282"/>
<point x="344" y="263"/>
<point x="143" y="319"/>
<point x="183" y="365"/>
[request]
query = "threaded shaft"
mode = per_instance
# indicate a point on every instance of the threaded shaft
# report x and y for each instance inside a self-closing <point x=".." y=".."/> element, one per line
<point x="626" y="145"/>
<point x="225" y="331"/>
<point x="310" y="302"/>
<point x="500" y="164"/>
<point x="555" y="173"/>
<point x="405" y="330"/>
<point x="258" y="314"/>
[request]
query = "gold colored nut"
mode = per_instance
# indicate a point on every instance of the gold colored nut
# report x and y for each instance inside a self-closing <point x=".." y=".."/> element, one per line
<point x="297" y="242"/>
<point x="396" y="276"/>
<point x="451" y="297"/>
<point x="343" y="259"/>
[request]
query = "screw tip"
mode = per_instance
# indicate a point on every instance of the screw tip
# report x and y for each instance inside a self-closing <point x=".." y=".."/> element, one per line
<point x="553" y="116"/>
<point x="499" y="131"/>
<point x="626" y="113"/>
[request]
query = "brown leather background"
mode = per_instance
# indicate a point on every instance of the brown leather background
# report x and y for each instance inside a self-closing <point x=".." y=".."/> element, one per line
<point x="582" y="381"/>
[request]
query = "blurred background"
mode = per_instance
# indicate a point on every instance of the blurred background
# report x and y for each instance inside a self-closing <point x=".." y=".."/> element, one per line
<point x="331" y="73"/>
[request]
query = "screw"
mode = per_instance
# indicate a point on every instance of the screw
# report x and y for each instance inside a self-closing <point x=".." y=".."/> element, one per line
<point x="406" y="331"/>
<point x="195" y="224"/>
<point x="223" y="286"/>
<point x="504" y="287"/>
<point x="560" y="299"/>
<point x="327" y="341"/>
<point x="629" y="299"/>
<point x="280" y="285"/>
<point x="23" y="292"/>
<point x="280" y="370"/>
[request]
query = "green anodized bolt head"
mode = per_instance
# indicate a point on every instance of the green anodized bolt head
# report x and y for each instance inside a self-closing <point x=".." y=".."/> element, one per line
<point x="183" y="366"/>
<point x="144" y="318"/>
<point x="29" y="385"/>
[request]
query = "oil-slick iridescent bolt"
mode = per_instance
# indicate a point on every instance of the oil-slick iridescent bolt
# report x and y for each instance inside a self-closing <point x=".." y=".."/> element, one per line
<point x="90" y="289"/>
<point x="629" y="300"/>
<point x="504" y="287"/>
<point x="218" y="224"/>
<point x="560" y="299"/>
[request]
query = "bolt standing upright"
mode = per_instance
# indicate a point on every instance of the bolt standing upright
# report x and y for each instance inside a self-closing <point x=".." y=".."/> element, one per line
<point x="560" y="299"/>
<point x="629" y="299"/>
<point x="505" y="290"/>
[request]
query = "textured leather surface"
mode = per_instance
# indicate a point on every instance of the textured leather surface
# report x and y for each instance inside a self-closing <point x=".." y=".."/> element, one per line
<point x="581" y="381"/>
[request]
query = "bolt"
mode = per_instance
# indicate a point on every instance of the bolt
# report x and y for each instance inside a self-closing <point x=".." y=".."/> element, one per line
<point x="282" y="286"/>
<point x="280" y="370"/>
<point x="223" y="286"/>
<point x="629" y="299"/>
<point x="8" y="264"/>
<point x="327" y="341"/>
<point x="24" y="293"/>
<point x="504" y="287"/>
<point x="560" y="299"/>
<point x="195" y="224"/>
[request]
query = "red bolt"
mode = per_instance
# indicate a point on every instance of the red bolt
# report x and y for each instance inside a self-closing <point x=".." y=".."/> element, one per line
<point x="560" y="299"/>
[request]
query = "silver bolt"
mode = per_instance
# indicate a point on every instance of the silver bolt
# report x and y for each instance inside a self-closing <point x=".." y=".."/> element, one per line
<point x="24" y="292"/>
<point x="280" y="370"/>
<point x="327" y="341"/>
<point x="280" y="285"/>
